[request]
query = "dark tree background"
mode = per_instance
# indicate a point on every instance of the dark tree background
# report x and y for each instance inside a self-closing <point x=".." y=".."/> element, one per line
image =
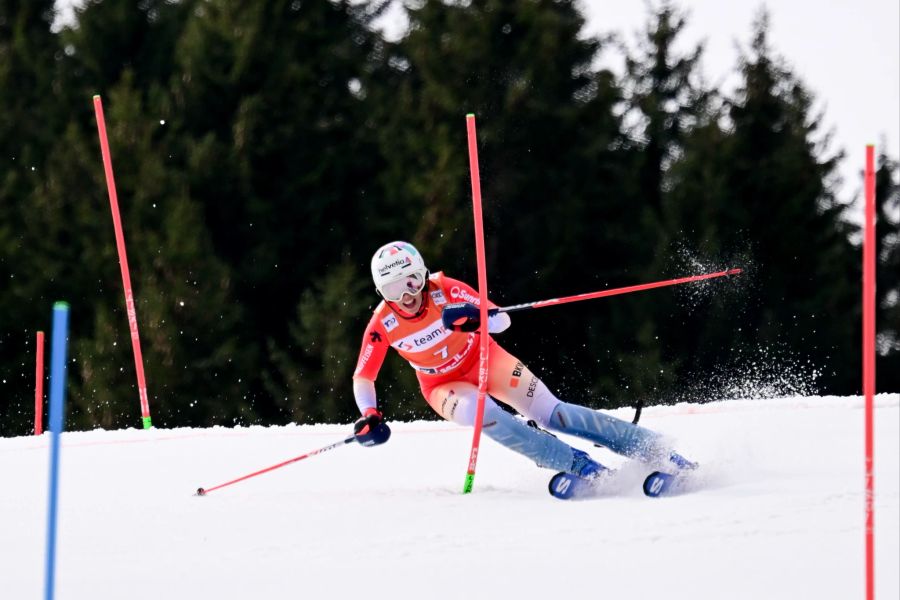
<point x="264" y="148"/>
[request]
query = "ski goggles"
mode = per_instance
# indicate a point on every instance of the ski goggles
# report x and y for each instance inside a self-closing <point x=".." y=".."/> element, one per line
<point x="411" y="284"/>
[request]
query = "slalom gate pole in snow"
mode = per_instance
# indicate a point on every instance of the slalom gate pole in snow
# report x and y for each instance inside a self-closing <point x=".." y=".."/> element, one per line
<point x="123" y="263"/>
<point x="205" y="491"/>
<point x="868" y="352"/>
<point x="615" y="291"/>
<point x="482" y="295"/>
<point x="57" y="412"/>
<point x="39" y="384"/>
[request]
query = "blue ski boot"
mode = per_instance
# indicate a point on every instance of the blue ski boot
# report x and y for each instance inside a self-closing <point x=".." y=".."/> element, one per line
<point x="584" y="466"/>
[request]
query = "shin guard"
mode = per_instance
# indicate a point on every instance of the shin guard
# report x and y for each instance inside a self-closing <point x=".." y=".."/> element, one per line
<point x="619" y="436"/>
<point x="538" y="445"/>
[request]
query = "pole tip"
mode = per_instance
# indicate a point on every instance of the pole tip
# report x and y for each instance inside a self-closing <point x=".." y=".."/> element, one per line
<point x="201" y="492"/>
<point x="470" y="115"/>
<point x="60" y="305"/>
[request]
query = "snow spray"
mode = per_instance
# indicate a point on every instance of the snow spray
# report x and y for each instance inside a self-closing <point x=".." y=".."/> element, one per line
<point x="754" y="373"/>
<point x="57" y="410"/>
<point x="683" y="259"/>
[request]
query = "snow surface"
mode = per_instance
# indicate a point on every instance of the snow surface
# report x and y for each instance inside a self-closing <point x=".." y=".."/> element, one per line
<point x="780" y="514"/>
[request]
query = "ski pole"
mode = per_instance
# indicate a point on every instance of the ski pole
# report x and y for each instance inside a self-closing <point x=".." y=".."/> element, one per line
<point x="613" y="292"/>
<point x="204" y="491"/>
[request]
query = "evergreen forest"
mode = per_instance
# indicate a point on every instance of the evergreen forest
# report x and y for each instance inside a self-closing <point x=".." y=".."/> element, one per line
<point x="263" y="149"/>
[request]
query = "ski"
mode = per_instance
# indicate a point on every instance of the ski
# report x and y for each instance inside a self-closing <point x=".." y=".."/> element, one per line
<point x="661" y="483"/>
<point x="658" y="484"/>
<point x="566" y="486"/>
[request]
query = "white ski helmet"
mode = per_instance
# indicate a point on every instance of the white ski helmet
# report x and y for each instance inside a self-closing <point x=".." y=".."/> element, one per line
<point x="397" y="269"/>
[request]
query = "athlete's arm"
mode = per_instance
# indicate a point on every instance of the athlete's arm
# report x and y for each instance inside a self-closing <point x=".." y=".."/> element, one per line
<point x="371" y="357"/>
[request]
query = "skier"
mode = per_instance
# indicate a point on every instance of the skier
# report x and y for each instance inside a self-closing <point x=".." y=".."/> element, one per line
<point x="431" y="320"/>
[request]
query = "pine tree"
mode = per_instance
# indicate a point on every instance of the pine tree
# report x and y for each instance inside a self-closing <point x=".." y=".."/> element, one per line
<point x="315" y="366"/>
<point x="111" y="36"/>
<point x="185" y="313"/>
<point x="887" y="233"/>
<point x="764" y="182"/>
<point x="551" y="159"/>
<point x="65" y="245"/>
<point x="28" y="125"/>
<point x="271" y="105"/>
<point x="665" y="99"/>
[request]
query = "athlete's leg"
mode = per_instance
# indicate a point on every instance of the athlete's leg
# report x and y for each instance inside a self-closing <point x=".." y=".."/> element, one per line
<point x="458" y="401"/>
<point x="513" y="383"/>
<point x="619" y="436"/>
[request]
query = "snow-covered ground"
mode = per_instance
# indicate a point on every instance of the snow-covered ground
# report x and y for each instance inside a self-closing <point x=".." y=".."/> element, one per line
<point x="781" y="513"/>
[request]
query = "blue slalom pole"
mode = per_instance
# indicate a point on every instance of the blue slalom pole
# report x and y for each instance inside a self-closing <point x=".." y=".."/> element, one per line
<point x="57" y="410"/>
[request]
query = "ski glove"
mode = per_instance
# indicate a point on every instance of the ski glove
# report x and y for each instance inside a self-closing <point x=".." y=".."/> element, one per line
<point x="370" y="429"/>
<point x="463" y="316"/>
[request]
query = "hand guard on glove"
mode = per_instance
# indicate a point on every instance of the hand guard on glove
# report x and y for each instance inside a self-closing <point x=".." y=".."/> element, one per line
<point x="370" y="429"/>
<point x="462" y="316"/>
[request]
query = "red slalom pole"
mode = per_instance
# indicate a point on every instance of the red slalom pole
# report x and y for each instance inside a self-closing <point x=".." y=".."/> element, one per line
<point x="39" y="384"/>
<point x="483" y="301"/>
<point x="868" y="351"/>
<point x="617" y="291"/>
<point x="123" y="264"/>
<point x="205" y="491"/>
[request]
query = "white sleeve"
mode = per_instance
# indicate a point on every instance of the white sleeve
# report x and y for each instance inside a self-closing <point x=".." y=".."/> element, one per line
<point x="364" y="393"/>
<point x="498" y="323"/>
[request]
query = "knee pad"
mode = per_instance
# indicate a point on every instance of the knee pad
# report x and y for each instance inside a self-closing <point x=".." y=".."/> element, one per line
<point x="543" y="403"/>
<point x="457" y="404"/>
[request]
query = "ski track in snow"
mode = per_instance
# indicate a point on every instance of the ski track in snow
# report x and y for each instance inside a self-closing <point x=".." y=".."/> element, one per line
<point x="779" y="513"/>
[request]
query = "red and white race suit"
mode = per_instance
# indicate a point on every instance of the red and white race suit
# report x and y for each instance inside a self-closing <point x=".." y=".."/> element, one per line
<point x="446" y="361"/>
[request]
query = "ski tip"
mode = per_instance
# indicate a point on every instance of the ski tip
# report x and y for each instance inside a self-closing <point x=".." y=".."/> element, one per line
<point x="657" y="483"/>
<point x="561" y="486"/>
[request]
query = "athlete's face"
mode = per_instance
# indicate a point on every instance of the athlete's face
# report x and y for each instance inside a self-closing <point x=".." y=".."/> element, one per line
<point x="411" y="303"/>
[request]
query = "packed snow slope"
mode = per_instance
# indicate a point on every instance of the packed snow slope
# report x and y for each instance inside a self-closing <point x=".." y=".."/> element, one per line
<point x="780" y="513"/>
